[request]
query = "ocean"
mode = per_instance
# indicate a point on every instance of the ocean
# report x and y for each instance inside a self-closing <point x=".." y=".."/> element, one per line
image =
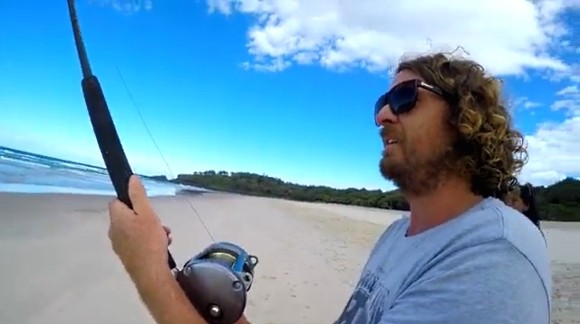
<point x="26" y="172"/>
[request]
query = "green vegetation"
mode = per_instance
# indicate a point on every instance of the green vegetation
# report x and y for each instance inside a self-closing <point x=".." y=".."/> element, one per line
<point x="560" y="201"/>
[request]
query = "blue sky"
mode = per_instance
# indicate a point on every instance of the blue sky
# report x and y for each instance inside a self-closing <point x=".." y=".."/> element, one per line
<point x="221" y="88"/>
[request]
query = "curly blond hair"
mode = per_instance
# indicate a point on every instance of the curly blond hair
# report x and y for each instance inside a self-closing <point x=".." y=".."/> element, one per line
<point x="490" y="151"/>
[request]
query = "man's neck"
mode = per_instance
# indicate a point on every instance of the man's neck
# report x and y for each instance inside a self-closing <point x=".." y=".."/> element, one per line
<point x="448" y="201"/>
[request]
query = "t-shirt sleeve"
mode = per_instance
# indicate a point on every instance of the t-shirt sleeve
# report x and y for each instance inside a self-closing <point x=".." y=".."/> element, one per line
<point x="487" y="283"/>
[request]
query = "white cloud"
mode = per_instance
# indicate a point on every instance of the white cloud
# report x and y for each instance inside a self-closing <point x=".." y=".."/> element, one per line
<point x="507" y="36"/>
<point x="531" y="104"/>
<point x="568" y="100"/>
<point x="525" y="103"/>
<point x="572" y="73"/>
<point x="569" y="90"/>
<point x="126" y="6"/>
<point x="554" y="149"/>
<point x="554" y="152"/>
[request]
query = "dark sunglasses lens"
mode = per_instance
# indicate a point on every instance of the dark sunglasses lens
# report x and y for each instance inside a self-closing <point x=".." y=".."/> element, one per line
<point x="400" y="99"/>
<point x="403" y="99"/>
<point x="381" y="102"/>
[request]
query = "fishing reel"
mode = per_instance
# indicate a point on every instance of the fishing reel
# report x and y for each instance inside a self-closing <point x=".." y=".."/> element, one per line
<point x="217" y="280"/>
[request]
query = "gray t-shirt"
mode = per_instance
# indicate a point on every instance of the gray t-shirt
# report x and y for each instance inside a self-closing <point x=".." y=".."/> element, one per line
<point x="489" y="265"/>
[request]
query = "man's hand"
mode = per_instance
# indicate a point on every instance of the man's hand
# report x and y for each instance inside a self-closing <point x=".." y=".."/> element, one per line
<point x="140" y="242"/>
<point x="137" y="236"/>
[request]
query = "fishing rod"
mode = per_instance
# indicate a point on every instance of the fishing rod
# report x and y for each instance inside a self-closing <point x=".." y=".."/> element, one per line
<point x="216" y="280"/>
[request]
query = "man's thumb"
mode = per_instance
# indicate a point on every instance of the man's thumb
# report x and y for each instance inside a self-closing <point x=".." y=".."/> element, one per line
<point x="138" y="195"/>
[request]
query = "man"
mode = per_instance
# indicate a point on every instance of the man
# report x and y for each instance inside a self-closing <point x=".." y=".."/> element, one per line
<point x="461" y="257"/>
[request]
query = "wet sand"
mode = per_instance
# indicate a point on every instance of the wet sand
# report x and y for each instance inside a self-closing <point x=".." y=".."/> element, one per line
<point x="57" y="265"/>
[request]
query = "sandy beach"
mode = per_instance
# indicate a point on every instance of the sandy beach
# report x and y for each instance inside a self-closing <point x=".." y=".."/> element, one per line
<point x="58" y="268"/>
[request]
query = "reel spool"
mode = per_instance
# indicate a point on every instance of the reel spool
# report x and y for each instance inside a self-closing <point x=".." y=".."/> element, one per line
<point x="217" y="281"/>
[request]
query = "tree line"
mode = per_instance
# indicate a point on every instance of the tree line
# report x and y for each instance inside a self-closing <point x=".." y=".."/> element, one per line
<point x="558" y="202"/>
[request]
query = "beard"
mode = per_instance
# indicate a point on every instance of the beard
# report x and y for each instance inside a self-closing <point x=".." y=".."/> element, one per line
<point x="417" y="174"/>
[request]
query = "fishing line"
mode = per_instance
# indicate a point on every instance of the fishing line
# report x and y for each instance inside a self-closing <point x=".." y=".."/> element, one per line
<point x="217" y="280"/>
<point x="159" y="150"/>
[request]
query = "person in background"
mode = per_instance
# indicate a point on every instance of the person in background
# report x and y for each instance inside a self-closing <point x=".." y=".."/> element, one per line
<point x="523" y="199"/>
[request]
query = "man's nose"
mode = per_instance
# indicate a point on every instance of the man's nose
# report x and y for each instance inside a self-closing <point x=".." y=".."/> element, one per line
<point x="386" y="116"/>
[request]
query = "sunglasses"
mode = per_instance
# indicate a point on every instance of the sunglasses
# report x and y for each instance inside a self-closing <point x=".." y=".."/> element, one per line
<point x="402" y="98"/>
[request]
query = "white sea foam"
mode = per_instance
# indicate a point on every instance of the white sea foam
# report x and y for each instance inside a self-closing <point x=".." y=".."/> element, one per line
<point x="29" y="173"/>
<point x="153" y="189"/>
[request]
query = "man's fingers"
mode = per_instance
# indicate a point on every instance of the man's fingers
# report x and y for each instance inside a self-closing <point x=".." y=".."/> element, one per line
<point x="118" y="208"/>
<point x="138" y="195"/>
<point x="118" y="211"/>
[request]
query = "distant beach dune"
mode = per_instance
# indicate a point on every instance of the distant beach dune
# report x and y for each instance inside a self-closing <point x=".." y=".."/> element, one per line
<point x="57" y="265"/>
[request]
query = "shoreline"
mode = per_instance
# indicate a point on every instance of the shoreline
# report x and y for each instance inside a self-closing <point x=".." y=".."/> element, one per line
<point x="572" y="226"/>
<point x="59" y="266"/>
